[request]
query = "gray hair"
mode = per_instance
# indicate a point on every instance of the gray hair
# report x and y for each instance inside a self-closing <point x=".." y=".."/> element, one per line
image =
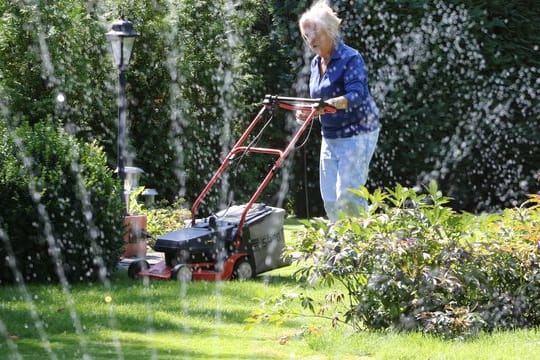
<point x="322" y="15"/>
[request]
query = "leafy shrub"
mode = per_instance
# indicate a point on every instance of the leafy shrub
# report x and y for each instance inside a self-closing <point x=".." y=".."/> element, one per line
<point x="60" y="217"/>
<point x="162" y="217"/>
<point x="413" y="264"/>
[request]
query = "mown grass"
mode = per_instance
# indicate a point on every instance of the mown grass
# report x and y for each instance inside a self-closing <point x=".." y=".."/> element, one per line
<point x="206" y="320"/>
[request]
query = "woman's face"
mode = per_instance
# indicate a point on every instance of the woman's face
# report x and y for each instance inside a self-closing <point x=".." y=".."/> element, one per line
<point x="318" y="39"/>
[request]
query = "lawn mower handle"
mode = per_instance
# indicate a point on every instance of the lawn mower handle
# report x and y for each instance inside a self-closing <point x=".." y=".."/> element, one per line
<point x="313" y="106"/>
<point x="295" y="103"/>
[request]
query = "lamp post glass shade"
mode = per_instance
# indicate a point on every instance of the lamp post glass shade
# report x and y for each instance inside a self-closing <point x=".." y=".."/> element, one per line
<point x="131" y="182"/>
<point x="122" y="36"/>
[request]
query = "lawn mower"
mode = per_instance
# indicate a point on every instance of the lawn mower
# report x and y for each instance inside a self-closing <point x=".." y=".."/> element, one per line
<point x="240" y="241"/>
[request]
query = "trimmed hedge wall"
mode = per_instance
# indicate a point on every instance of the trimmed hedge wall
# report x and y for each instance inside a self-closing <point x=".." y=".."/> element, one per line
<point x="456" y="82"/>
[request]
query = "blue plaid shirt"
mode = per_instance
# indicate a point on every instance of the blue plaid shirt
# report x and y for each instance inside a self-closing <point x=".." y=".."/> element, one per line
<point x="346" y="75"/>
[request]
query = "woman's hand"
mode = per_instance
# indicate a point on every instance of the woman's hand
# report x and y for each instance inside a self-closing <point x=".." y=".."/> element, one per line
<point x="301" y="115"/>
<point x="339" y="102"/>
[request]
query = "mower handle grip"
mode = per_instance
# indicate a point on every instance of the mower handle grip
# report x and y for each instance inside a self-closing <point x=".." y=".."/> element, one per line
<point x="296" y="103"/>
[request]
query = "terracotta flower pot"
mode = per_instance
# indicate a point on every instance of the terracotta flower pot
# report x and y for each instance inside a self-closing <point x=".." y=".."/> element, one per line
<point x="134" y="236"/>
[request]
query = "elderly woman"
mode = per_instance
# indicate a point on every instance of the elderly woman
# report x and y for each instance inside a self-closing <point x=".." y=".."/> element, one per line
<point x="349" y="136"/>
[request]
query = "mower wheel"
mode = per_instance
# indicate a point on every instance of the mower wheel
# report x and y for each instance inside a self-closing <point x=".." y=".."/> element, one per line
<point x="182" y="273"/>
<point x="243" y="270"/>
<point x="136" y="267"/>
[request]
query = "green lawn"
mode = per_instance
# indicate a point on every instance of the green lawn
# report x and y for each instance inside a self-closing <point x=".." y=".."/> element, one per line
<point x="206" y="320"/>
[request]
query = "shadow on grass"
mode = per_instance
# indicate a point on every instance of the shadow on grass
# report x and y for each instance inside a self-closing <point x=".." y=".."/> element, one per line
<point x="129" y="346"/>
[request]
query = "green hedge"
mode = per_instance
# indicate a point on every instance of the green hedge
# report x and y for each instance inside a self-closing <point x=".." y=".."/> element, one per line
<point x="61" y="216"/>
<point x="455" y="81"/>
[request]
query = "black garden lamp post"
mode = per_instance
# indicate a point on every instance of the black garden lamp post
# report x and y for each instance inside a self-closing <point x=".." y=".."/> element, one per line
<point x="122" y="36"/>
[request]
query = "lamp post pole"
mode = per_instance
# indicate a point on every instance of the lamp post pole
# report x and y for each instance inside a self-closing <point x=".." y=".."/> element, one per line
<point x="122" y="36"/>
<point x="122" y="136"/>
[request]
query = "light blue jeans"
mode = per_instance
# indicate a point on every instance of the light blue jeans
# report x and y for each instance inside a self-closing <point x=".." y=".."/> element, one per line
<point x="344" y="163"/>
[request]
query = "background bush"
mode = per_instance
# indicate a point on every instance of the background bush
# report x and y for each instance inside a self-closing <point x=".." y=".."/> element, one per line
<point x="456" y="82"/>
<point x="60" y="217"/>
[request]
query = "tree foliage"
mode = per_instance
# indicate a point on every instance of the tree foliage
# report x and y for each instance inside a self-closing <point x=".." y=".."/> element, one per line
<point x="456" y="82"/>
